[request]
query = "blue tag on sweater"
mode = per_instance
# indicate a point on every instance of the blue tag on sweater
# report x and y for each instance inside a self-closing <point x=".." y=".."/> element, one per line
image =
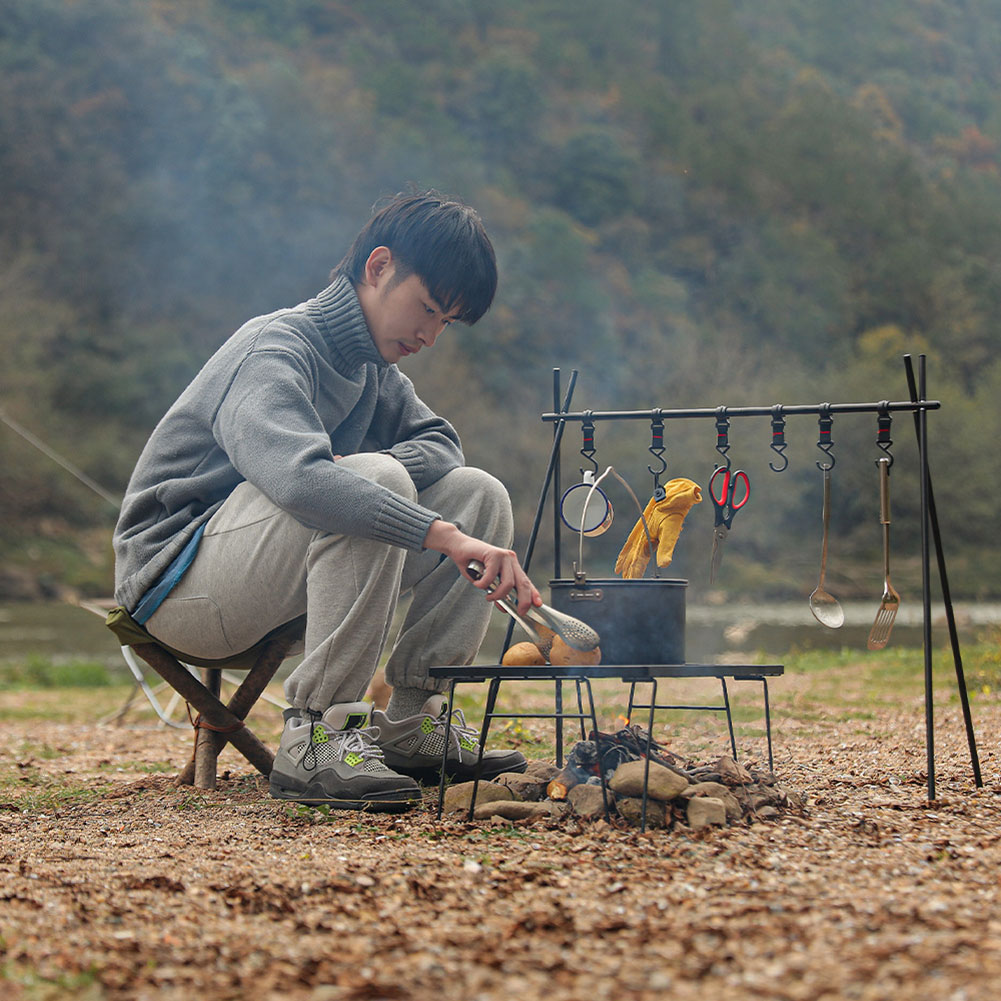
<point x="153" y="598"/>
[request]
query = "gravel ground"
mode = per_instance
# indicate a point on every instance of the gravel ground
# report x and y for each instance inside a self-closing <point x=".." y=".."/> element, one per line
<point x="115" y="883"/>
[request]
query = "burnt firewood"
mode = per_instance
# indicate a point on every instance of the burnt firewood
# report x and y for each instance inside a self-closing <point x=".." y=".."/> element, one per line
<point x="572" y="775"/>
<point x="629" y="744"/>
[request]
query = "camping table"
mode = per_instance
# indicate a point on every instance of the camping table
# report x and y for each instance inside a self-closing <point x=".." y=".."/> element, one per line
<point x="634" y="674"/>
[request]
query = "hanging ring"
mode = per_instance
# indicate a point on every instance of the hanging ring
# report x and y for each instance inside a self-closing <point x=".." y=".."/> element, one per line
<point x="778" y="445"/>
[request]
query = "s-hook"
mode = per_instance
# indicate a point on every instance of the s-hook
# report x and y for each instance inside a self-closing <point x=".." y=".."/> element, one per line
<point x="824" y="442"/>
<point x="883" y="440"/>
<point x="588" y="449"/>
<point x="722" y="435"/>
<point x="656" y="449"/>
<point x="778" y="445"/>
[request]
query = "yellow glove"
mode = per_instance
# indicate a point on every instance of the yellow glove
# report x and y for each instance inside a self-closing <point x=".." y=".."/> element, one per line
<point x="665" y="519"/>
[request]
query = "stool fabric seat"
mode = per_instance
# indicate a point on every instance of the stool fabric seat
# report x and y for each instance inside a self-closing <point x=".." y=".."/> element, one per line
<point x="216" y="724"/>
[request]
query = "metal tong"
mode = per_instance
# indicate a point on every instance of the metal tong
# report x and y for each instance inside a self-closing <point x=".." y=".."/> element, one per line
<point x="573" y="632"/>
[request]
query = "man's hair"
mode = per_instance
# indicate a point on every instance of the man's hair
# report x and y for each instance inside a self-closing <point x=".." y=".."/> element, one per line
<point x="439" y="239"/>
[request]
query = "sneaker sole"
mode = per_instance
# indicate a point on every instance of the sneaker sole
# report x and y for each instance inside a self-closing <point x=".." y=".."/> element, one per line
<point x="390" y="801"/>
<point x="431" y="774"/>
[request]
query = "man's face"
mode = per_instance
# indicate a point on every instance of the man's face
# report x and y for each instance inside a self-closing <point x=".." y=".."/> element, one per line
<point x="402" y="316"/>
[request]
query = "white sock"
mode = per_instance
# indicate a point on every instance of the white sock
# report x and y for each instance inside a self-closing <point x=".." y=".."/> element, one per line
<point x="406" y="702"/>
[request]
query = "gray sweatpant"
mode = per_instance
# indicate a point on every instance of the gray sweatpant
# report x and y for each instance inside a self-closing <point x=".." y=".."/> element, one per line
<point x="257" y="568"/>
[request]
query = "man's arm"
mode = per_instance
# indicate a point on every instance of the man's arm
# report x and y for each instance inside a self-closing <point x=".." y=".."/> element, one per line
<point x="462" y="549"/>
<point x="409" y="430"/>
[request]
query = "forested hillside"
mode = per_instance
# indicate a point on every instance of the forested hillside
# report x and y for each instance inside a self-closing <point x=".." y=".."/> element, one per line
<point x="695" y="204"/>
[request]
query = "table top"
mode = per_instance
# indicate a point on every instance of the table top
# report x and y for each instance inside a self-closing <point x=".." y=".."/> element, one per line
<point x="625" y="672"/>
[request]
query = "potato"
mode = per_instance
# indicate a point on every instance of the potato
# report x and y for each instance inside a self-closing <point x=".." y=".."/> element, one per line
<point x="522" y="655"/>
<point x="563" y="655"/>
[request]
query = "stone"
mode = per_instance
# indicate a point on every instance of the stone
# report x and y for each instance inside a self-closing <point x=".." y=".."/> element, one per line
<point x="631" y="810"/>
<point x="766" y="813"/>
<point x="731" y="772"/>
<point x="511" y="810"/>
<point x="717" y="791"/>
<point x="706" y="811"/>
<point x="457" y="796"/>
<point x="527" y="787"/>
<point x="586" y="801"/>
<point x="543" y="771"/>
<point x="664" y="785"/>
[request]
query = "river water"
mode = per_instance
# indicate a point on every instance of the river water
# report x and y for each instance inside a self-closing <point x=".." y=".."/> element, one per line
<point x="61" y="631"/>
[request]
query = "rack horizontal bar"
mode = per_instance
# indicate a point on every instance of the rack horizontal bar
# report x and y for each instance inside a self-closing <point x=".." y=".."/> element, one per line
<point x="781" y="408"/>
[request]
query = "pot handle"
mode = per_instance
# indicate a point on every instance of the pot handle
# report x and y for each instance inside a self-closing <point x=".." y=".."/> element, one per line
<point x="579" y="574"/>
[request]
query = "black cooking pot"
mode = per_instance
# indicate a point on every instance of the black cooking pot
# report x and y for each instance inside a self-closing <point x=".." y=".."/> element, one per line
<point x="639" y="621"/>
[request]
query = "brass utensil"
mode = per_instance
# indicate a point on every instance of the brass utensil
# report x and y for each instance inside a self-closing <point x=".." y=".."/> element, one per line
<point x="826" y="608"/>
<point x="880" y="632"/>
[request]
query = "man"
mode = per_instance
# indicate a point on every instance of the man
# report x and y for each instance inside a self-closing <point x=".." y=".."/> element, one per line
<point x="300" y="473"/>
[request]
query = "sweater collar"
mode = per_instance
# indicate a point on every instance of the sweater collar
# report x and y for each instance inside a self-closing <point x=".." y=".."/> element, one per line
<point x="337" y="313"/>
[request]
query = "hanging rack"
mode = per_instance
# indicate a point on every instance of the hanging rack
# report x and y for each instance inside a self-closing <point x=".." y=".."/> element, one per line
<point x="919" y="406"/>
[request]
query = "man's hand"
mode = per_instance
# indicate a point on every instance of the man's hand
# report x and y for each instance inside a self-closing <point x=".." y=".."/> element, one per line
<point x="462" y="549"/>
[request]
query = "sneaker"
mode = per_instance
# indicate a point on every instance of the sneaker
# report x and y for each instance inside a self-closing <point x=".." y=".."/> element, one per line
<point x="333" y="759"/>
<point x="413" y="746"/>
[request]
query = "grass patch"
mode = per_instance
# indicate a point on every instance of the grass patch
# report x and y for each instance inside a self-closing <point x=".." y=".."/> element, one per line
<point x="37" y="671"/>
<point x="32" y="792"/>
<point x="36" y="986"/>
<point x="61" y="705"/>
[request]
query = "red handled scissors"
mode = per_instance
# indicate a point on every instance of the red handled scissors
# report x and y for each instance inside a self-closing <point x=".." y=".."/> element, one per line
<point x="729" y="491"/>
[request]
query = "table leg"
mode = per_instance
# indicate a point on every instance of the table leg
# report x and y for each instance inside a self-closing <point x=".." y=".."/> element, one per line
<point x="488" y="713"/>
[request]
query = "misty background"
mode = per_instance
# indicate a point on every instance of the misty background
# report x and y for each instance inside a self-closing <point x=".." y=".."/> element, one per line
<point x="740" y="202"/>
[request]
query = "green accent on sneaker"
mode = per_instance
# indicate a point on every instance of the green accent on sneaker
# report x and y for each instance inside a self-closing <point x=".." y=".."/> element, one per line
<point x="319" y="735"/>
<point x="355" y="721"/>
<point x="353" y="759"/>
<point x="427" y="725"/>
<point x="469" y="744"/>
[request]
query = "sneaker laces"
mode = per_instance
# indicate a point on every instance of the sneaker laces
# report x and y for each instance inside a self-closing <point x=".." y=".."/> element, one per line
<point x="460" y="728"/>
<point x="360" y="740"/>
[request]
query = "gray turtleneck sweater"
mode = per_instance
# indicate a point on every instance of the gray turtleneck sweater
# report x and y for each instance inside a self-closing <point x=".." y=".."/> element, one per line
<point x="274" y="405"/>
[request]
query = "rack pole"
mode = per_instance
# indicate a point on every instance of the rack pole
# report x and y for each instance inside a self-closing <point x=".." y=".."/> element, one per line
<point x="552" y="473"/>
<point x="555" y="474"/>
<point x="950" y="614"/>
<point x="926" y="585"/>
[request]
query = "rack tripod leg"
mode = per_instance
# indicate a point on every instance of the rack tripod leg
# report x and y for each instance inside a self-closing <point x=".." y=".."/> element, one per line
<point x="950" y="614"/>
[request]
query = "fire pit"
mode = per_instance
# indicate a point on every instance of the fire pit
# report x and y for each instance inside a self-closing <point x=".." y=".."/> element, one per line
<point x="664" y="791"/>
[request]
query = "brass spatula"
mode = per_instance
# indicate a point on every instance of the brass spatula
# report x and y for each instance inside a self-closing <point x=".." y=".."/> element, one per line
<point x="881" y="628"/>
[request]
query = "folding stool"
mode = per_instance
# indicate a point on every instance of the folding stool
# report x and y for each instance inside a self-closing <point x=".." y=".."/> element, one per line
<point x="216" y="723"/>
